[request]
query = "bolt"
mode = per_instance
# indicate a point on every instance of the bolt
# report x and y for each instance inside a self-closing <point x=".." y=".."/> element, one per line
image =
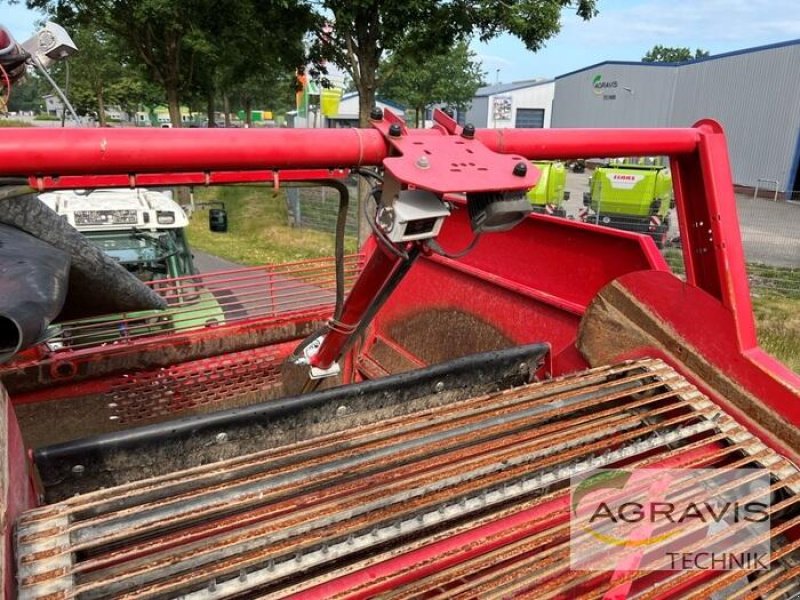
<point x="520" y="169"/>
<point x="439" y="387"/>
<point x="222" y="437"/>
<point x="78" y="469"/>
<point x="423" y="162"/>
<point x="395" y="130"/>
<point x="523" y="368"/>
<point x="468" y="131"/>
<point x="376" y="114"/>
<point x="342" y="411"/>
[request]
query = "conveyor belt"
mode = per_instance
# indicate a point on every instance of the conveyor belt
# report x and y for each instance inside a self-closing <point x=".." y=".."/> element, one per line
<point x="464" y="500"/>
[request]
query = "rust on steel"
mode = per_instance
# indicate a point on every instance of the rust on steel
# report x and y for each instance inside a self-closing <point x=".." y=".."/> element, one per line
<point x="286" y="519"/>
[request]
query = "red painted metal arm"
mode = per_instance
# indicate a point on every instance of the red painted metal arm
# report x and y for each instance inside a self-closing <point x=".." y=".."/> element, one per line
<point x="27" y="152"/>
<point x="60" y="152"/>
<point x="588" y="143"/>
<point x="376" y="272"/>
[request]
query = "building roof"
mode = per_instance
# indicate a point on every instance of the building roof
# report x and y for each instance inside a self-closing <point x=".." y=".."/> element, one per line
<point x="502" y="88"/>
<point x="685" y="63"/>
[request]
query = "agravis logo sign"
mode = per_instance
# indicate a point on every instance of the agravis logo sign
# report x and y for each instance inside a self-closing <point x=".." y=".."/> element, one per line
<point x="669" y="519"/>
<point x="601" y="86"/>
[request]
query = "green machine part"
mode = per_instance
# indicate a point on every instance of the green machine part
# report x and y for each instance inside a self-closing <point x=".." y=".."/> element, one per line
<point x="550" y="189"/>
<point x="634" y="189"/>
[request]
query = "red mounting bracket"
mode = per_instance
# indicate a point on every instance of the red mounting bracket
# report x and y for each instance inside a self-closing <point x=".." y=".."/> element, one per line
<point x="445" y="160"/>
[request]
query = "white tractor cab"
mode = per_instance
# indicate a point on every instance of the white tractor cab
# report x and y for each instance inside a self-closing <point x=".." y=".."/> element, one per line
<point x="142" y="229"/>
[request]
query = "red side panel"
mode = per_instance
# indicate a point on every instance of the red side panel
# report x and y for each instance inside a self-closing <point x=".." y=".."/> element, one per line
<point x="15" y="492"/>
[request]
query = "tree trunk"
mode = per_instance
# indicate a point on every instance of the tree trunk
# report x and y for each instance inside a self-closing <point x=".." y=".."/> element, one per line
<point x="226" y="106"/>
<point x="366" y="100"/>
<point x="248" y="111"/>
<point x="416" y="117"/>
<point x="101" y="108"/>
<point x="174" y="105"/>
<point x="212" y="121"/>
<point x="366" y="89"/>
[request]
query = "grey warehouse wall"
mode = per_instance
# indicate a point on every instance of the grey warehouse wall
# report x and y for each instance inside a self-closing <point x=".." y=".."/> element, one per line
<point x="754" y="94"/>
<point x="756" y="97"/>
<point x="642" y="97"/>
<point x="478" y="113"/>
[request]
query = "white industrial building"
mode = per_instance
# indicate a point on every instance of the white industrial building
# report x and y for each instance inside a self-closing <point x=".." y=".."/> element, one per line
<point x="520" y="104"/>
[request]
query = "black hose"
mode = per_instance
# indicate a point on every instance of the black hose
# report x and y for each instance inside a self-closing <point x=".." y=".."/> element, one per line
<point x="341" y="224"/>
<point x="341" y="229"/>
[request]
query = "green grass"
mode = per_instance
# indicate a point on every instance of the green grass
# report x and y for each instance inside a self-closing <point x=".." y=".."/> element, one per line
<point x="14" y="123"/>
<point x="776" y="306"/>
<point x="778" y="323"/>
<point x="258" y="230"/>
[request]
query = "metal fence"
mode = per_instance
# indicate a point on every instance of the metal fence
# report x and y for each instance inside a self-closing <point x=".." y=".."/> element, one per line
<point x="317" y="208"/>
<point x="770" y="234"/>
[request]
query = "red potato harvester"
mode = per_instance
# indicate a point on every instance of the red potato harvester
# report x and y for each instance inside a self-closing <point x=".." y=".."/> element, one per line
<point x="416" y="439"/>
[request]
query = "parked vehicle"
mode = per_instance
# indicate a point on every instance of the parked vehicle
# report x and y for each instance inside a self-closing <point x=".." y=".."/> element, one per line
<point x="548" y="195"/>
<point x="145" y="231"/>
<point x="634" y="194"/>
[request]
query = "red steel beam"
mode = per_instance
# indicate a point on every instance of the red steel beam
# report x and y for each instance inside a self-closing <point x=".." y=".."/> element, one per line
<point x="41" y="152"/>
<point x="587" y="143"/>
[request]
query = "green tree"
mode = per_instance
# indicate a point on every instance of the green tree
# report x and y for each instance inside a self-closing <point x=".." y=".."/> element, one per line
<point x="672" y="54"/>
<point x="450" y="77"/>
<point x="361" y="32"/>
<point x="100" y="75"/>
<point x="27" y="93"/>
<point x="261" y="45"/>
<point x="182" y="43"/>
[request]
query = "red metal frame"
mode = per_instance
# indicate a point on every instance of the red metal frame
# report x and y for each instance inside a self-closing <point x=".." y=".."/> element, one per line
<point x="546" y="292"/>
<point x="704" y="192"/>
<point x="273" y="176"/>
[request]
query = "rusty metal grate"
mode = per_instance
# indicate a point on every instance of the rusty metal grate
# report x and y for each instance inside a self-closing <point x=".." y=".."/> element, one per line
<point x="463" y="500"/>
<point x="208" y="382"/>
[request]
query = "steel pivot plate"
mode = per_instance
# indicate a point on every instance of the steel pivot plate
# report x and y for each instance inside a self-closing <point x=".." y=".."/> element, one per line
<point x="443" y="160"/>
